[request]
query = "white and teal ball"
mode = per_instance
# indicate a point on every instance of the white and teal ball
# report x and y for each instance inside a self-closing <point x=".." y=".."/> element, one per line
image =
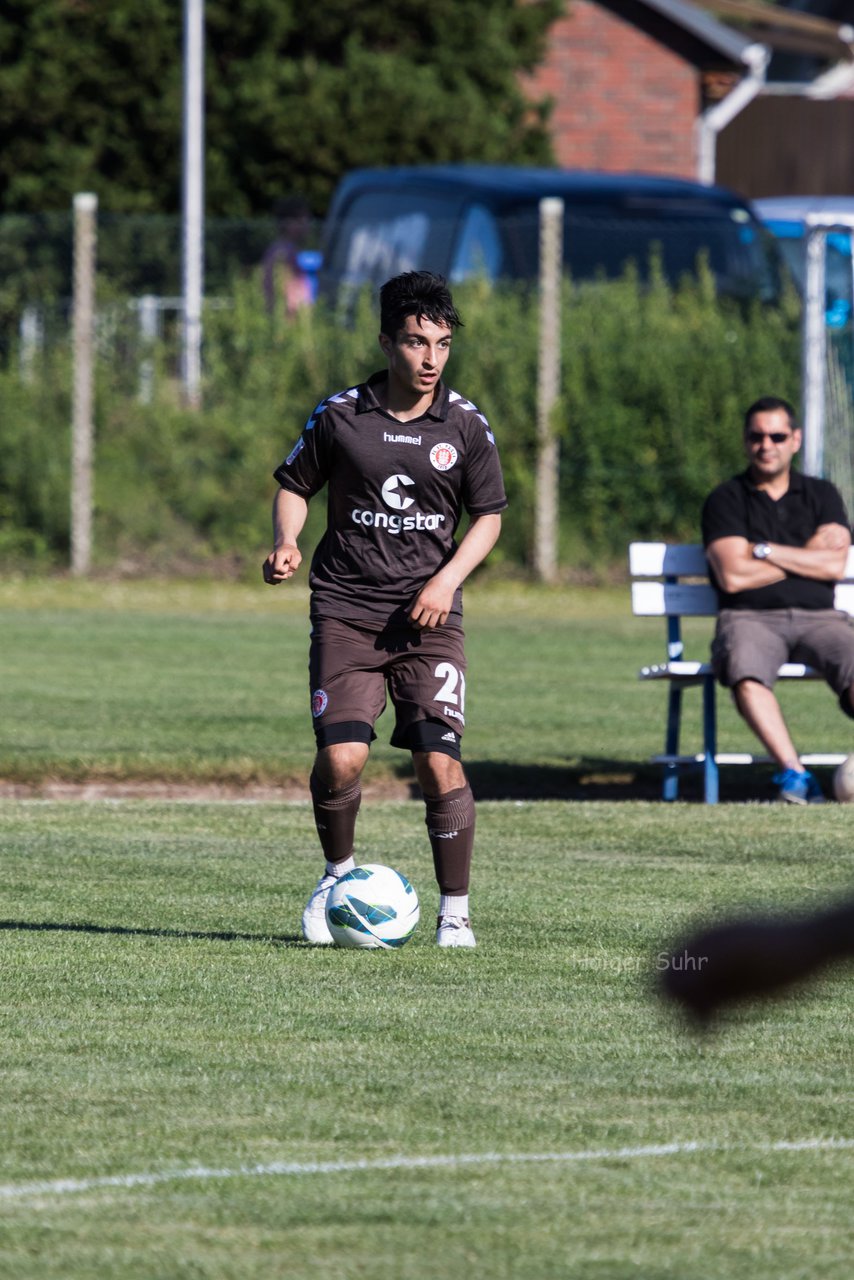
<point x="843" y="781"/>
<point x="372" y="906"/>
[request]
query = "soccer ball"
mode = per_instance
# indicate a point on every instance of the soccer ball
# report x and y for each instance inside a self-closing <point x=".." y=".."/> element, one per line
<point x="372" y="906"/>
<point x="843" y="781"/>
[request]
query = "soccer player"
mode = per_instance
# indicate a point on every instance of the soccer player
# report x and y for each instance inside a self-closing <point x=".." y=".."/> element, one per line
<point x="403" y="457"/>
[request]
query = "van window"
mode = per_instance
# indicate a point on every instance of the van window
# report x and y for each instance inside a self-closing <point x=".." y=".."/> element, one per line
<point x="479" y="251"/>
<point x="378" y="237"/>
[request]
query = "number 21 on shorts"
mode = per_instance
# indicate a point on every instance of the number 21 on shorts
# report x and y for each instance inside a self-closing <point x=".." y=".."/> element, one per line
<point x="452" y="692"/>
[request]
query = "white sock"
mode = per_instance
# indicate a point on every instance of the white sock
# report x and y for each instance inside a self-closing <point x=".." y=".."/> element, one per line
<point x="339" y="869"/>
<point x="454" y="905"/>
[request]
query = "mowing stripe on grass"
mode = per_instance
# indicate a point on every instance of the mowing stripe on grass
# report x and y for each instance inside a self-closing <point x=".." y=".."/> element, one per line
<point x="73" y="1186"/>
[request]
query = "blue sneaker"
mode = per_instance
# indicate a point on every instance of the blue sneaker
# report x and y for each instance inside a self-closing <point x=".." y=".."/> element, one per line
<point x="798" y="788"/>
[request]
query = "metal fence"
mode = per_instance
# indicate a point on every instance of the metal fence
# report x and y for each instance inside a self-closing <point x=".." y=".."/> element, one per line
<point x="139" y="270"/>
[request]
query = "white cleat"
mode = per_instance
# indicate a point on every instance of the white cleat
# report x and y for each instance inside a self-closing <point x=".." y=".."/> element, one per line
<point x="314" y="926"/>
<point x="454" y="931"/>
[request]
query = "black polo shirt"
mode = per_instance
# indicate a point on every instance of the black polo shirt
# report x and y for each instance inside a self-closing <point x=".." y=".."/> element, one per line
<point x="738" y="509"/>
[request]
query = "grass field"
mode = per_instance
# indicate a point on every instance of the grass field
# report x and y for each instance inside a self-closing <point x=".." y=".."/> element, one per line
<point x="198" y="683"/>
<point x="191" y="1091"/>
<point x="161" y="1016"/>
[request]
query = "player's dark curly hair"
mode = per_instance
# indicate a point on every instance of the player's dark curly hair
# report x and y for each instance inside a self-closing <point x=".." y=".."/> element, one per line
<point x="416" y="293"/>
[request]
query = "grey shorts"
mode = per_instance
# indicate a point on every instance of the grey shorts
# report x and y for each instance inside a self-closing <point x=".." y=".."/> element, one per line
<point x="353" y="669"/>
<point x="752" y="644"/>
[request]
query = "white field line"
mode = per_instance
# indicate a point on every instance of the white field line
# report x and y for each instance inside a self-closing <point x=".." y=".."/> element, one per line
<point x="75" y="1186"/>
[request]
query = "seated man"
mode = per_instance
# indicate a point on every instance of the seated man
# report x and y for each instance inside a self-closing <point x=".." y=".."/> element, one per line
<point x="777" y="543"/>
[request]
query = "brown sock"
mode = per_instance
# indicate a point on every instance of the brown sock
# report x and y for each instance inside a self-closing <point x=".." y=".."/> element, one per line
<point x="335" y="817"/>
<point x="450" y="825"/>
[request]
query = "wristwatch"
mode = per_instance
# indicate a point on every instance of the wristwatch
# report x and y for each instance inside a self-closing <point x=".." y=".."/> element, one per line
<point x="761" y="551"/>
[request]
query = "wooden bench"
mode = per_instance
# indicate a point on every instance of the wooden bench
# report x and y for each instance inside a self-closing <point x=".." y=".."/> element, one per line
<point x="671" y="582"/>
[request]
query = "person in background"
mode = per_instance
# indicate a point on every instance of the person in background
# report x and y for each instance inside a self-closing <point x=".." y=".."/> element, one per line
<point x="777" y="543"/>
<point x="403" y="458"/>
<point x="283" y="275"/>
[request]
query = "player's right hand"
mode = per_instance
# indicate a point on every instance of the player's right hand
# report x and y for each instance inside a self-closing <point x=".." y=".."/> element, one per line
<point x="281" y="564"/>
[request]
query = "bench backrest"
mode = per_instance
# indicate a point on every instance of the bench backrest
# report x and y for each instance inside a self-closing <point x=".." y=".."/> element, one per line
<point x="672" y="598"/>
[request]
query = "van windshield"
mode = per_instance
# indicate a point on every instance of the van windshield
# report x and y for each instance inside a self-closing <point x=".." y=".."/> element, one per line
<point x="379" y="237"/>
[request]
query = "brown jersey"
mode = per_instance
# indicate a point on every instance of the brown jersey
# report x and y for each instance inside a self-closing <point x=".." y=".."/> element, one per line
<point x="396" y="494"/>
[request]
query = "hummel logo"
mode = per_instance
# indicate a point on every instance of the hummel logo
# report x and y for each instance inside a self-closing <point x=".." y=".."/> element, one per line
<point x="388" y="438"/>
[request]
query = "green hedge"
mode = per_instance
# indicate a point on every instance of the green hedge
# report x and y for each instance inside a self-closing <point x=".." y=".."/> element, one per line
<point x="654" y="382"/>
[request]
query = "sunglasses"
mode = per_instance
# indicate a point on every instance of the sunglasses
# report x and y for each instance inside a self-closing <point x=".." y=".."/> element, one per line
<point x="776" y="437"/>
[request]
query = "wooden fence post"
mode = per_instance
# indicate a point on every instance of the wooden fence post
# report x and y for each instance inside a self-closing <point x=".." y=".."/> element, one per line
<point x="82" y="431"/>
<point x="546" y="516"/>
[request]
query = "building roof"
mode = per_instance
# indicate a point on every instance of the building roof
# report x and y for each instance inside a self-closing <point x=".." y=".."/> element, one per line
<point x="789" y="30"/>
<point x="738" y="32"/>
<point x="695" y="34"/>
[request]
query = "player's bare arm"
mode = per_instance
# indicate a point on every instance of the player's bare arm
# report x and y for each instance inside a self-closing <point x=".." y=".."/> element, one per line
<point x="433" y="603"/>
<point x="289" y="515"/>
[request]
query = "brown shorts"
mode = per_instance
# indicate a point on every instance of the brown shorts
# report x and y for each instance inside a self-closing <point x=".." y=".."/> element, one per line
<point x="352" y="668"/>
<point x="752" y="644"/>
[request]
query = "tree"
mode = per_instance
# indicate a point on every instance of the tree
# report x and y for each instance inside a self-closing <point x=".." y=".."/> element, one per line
<point x="90" y="96"/>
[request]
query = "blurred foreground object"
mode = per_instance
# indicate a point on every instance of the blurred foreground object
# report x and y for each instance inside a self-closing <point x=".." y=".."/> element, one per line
<point x="753" y="956"/>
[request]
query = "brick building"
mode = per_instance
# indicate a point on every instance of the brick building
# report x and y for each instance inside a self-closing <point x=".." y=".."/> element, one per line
<point x="658" y="85"/>
<point x="627" y="91"/>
